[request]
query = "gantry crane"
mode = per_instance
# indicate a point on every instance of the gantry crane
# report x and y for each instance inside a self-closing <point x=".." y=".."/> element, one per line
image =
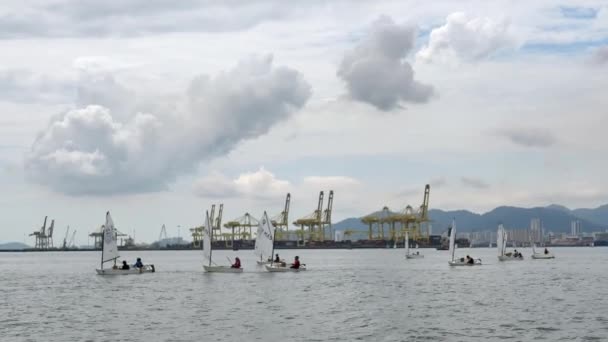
<point x="239" y="227"/>
<point x="316" y="222"/>
<point x="412" y="220"/>
<point x="378" y="220"/>
<point x="65" y="239"/>
<point x="281" y="221"/>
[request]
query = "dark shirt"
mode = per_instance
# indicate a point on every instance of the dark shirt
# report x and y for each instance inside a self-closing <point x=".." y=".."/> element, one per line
<point x="471" y="261"/>
<point x="139" y="264"/>
<point x="296" y="264"/>
<point x="237" y="264"/>
<point x="125" y="267"/>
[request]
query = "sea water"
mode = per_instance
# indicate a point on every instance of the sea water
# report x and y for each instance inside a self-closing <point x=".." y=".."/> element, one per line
<point x="345" y="295"/>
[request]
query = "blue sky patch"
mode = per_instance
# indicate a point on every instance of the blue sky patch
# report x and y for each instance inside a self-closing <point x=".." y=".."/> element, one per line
<point x="578" y="12"/>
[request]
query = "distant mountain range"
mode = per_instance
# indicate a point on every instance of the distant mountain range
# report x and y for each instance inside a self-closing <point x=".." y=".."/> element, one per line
<point x="555" y="218"/>
<point x="13" y="246"/>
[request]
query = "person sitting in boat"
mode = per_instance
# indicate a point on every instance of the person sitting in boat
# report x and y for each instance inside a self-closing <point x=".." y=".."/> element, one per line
<point x="296" y="263"/>
<point x="546" y="251"/>
<point x="125" y="266"/>
<point x="516" y="254"/>
<point x="237" y="263"/>
<point x="470" y="260"/>
<point x="138" y="263"/>
<point x="276" y="258"/>
<point x="417" y="253"/>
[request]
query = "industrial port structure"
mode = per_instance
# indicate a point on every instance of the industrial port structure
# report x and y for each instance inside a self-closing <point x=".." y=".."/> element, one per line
<point x="316" y="227"/>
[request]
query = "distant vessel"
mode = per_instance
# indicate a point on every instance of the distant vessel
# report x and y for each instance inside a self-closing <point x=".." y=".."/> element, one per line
<point x="109" y="252"/>
<point x="452" y="249"/>
<point x="208" y="251"/>
<point x="501" y="245"/>
<point x="416" y="255"/>
<point x="542" y="255"/>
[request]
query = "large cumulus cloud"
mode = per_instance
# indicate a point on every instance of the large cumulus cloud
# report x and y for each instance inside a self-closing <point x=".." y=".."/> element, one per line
<point x="466" y="38"/>
<point x="375" y="71"/>
<point x="92" y="150"/>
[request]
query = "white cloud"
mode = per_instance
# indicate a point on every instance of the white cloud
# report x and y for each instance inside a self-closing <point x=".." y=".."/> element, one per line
<point x="375" y="71"/>
<point x="599" y="56"/>
<point x="105" y="148"/>
<point x="474" y="183"/>
<point x="90" y="18"/>
<point x="260" y="184"/>
<point x="24" y="86"/>
<point x="528" y="136"/>
<point x="331" y="182"/>
<point x="466" y="38"/>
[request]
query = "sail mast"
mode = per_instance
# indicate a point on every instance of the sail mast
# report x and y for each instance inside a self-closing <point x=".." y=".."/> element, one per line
<point x="102" y="243"/>
<point x="453" y="238"/>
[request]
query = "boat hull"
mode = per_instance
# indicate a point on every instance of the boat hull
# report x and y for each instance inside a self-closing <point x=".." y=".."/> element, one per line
<point x="284" y="269"/>
<point x="477" y="262"/>
<point x="414" y="256"/>
<point x="509" y="258"/>
<point x="543" y="256"/>
<point x="133" y="270"/>
<point x="222" y="269"/>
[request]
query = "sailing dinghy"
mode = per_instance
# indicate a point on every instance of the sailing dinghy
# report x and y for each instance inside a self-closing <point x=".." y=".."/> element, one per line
<point x="501" y="244"/>
<point x="109" y="252"/>
<point x="208" y="252"/>
<point x="452" y="249"/>
<point x="541" y="255"/>
<point x="416" y="255"/>
<point x="268" y="234"/>
<point x="264" y="242"/>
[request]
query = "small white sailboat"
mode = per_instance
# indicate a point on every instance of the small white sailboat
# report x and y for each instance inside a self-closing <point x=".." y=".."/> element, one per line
<point x="208" y="252"/>
<point x="501" y="244"/>
<point x="452" y="249"/>
<point x="416" y="255"/>
<point x="268" y="232"/>
<point x="542" y="255"/>
<point x="109" y="252"/>
<point x="264" y="241"/>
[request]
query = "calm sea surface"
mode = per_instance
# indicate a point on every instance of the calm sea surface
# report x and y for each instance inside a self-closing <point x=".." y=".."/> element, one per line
<point x="346" y="295"/>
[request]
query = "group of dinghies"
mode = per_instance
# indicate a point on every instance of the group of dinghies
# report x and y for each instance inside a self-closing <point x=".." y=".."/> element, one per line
<point x="501" y="243"/>
<point x="264" y="249"/>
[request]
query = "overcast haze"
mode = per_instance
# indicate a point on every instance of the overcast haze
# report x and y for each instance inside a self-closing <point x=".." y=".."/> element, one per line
<point x="154" y="110"/>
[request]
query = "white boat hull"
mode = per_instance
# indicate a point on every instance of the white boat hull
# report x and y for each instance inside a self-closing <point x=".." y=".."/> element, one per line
<point x="222" y="269"/>
<point x="510" y="258"/>
<point x="414" y="256"/>
<point x="263" y="263"/>
<point x="274" y="268"/>
<point x="543" y="256"/>
<point x="132" y="270"/>
<point x="477" y="262"/>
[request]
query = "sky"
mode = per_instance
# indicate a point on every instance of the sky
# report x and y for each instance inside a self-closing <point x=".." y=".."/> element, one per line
<point x="155" y="110"/>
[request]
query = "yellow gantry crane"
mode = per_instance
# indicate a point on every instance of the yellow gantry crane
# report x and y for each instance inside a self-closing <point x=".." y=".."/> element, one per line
<point x="241" y="228"/>
<point x="398" y="223"/>
<point x="313" y="226"/>
<point x="281" y="221"/>
<point x="411" y="220"/>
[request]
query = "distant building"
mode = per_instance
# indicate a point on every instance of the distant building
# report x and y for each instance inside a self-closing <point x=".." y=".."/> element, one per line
<point x="536" y="230"/>
<point x="575" y="228"/>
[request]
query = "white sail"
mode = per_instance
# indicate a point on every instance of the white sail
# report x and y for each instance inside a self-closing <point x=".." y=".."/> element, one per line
<point x="207" y="235"/>
<point x="407" y="243"/>
<point x="504" y="241"/>
<point x="265" y="239"/>
<point x="110" y="249"/>
<point x="452" y="247"/>
<point x="534" y="248"/>
<point x="500" y="236"/>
